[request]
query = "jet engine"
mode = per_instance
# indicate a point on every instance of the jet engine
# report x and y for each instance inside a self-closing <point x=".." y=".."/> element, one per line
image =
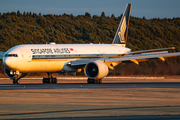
<point x="11" y="74"/>
<point x="96" y="70"/>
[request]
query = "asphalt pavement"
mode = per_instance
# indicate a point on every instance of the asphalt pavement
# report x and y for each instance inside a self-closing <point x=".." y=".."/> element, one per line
<point x="90" y="86"/>
<point x="118" y="118"/>
<point x="124" y="85"/>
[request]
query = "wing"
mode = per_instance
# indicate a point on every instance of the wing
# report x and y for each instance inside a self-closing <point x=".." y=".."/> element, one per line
<point x="143" y="57"/>
<point x="151" y="50"/>
<point x="126" y="58"/>
<point x="1" y="54"/>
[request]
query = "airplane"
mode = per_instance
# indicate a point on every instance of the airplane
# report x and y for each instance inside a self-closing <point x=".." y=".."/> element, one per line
<point x="94" y="59"/>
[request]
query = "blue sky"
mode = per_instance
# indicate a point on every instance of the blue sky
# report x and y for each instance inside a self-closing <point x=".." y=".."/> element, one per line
<point x="140" y="8"/>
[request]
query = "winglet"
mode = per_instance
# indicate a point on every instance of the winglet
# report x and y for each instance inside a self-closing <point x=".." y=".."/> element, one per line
<point x="122" y="31"/>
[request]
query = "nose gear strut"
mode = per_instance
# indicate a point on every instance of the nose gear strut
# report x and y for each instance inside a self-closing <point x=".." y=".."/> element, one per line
<point x="15" y="79"/>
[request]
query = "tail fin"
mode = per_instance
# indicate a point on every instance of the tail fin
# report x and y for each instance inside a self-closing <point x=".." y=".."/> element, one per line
<point x="122" y="31"/>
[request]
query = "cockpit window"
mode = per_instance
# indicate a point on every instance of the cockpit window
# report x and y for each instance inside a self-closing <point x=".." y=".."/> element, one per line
<point x="11" y="55"/>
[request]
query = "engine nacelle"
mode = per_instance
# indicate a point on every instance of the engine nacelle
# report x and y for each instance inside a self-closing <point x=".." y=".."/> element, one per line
<point x="11" y="76"/>
<point x="96" y="70"/>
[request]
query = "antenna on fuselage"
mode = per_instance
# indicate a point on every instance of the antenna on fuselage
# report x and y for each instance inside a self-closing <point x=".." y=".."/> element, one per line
<point x="51" y="41"/>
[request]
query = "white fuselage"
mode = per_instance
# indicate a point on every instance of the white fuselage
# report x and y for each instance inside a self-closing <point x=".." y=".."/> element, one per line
<point x="53" y="57"/>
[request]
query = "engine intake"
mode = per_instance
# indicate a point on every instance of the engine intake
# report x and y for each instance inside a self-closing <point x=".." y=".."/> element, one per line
<point x="96" y="70"/>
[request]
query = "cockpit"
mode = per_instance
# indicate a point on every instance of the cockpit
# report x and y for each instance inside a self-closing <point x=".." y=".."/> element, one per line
<point x="11" y="55"/>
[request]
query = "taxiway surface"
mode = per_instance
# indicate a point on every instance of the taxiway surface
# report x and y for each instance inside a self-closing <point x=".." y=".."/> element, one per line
<point x="90" y="86"/>
<point x="75" y="99"/>
<point x="121" y="118"/>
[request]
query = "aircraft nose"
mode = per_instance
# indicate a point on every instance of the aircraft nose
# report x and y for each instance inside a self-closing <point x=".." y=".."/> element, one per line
<point x="10" y="63"/>
<point x="7" y="62"/>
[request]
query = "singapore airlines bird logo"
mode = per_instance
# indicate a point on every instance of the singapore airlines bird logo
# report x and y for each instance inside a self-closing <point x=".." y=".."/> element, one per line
<point x="122" y="31"/>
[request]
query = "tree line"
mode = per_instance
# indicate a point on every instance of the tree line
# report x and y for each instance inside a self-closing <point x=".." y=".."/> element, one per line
<point x="31" y="28"/>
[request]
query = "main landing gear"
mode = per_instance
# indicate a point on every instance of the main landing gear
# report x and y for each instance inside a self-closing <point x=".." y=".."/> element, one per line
<point x="50" y="79"/>
<point x="92" y="81"/>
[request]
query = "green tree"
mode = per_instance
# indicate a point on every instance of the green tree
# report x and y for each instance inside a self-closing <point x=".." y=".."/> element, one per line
<point x="103" y="14"/>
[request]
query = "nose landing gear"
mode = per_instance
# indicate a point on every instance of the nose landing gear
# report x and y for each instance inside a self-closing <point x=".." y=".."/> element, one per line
<point x="15" y="79"/>
<point x="50" y="79"/>
<point x="16" y="75"/>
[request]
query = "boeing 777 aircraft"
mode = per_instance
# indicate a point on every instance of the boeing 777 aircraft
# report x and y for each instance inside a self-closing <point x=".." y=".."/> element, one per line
<point x="94" y="59"/>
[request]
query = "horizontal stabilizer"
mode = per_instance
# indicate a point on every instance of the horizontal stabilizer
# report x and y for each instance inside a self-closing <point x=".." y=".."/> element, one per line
<point x="1" y="54"/>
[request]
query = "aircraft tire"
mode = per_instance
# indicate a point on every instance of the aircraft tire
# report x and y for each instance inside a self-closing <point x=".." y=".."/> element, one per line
<point x="100" y="81"/>
<point x="54" y="80"/>
<point x="90" y="81"/>
<point x="49" y="80"/>
<point x="15" y="81"/>
<point x="46" y="80"/>
<point x="96" y="81"/>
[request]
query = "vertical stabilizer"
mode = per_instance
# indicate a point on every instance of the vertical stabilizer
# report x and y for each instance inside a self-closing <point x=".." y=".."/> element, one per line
<point x="122" y="31"/>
